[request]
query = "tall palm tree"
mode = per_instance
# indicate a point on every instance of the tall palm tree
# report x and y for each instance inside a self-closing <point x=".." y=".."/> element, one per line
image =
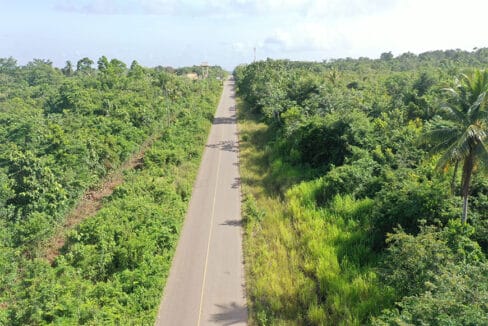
<point x="461" y="131"/>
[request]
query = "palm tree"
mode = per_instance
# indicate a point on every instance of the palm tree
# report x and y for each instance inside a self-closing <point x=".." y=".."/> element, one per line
<point x="461" y="133"/>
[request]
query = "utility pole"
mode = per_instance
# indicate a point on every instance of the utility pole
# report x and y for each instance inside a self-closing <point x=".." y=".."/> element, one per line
<point x="254" y="54"/>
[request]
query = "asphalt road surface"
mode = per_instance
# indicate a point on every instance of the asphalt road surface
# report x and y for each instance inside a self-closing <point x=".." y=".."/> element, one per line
<point x="206" y="281"/>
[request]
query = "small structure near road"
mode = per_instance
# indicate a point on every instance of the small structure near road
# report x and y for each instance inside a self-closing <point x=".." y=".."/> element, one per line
<point x="204" y="66"/>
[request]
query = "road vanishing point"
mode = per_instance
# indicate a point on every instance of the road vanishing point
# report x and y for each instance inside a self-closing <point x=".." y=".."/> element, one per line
<point x="206" y="281"/>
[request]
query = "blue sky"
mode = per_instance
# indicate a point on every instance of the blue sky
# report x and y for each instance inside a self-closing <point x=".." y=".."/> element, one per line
<point x="224" y="32"/>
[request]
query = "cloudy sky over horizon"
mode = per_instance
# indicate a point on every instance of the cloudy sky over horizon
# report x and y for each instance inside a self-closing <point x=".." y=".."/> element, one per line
<point x="225" y="32"/>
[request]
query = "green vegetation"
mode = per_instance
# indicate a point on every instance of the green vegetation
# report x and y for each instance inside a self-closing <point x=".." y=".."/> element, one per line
<point x="352" y="192"/>
<point x="61" y="131"/>
<point x="213" y="72"/>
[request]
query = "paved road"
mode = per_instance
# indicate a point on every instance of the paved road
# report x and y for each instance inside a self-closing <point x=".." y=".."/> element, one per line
<point x="206" y="280"/>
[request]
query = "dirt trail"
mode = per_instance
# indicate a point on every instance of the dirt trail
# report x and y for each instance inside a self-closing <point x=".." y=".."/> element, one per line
<point x="91" y="201"/>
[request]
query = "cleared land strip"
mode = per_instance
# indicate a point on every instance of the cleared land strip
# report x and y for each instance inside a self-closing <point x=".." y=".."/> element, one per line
<point x="91" y="201"/>
<point x="206" y="281"/>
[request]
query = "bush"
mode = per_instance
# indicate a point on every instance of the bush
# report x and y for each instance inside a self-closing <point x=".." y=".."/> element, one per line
<point x="442" y="276"/>
<point x="359" y="178"/>
<point x="403" y="203"/>
<point x="328" y="141"/>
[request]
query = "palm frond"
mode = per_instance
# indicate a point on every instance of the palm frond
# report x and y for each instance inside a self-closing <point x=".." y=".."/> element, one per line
<point x="462" y="147"/>
<point x="482" y="114"/>
<point x="452" y="113"/>
<point x="476" y="106"/>
<point x="466" y="81"/>
<point x="476" y="133"/>
<point x="482" y="154"/>
<point x="441" y="133"/>
<point x="438" y="125"/>
<point x="451" y="91"/>
<point x="449" y="157"/>
<point x="440" y="136"/>
<point x="468" y="141"/>
<point x="444" y="144"/>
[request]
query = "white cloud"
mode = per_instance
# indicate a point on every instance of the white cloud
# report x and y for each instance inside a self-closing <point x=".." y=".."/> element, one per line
<point x="418" y="26"/>
<point x="366" y="28"/>
<point x="240" y="47"/>
<point x="116" y="7"/>
<point x="295" y="29"/>
<point x="310" y="36"/>
<point x="308" y="8"/>
<point x="93" y="7"/>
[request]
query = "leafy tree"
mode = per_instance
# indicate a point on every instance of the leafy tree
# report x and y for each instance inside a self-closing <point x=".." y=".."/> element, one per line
<point x="84" y="65"/>
<point x="386" y="56"/>
<point x="34" y="185"/>
<point x="102" y="63"/>
<point x="461" y="133"/>
<point x="424" y="83"/>
<point x="8" y="65"/>
<point x="40" y="72"/>
<point x="135" y="71"/>
<point x="68" y="69"/>
<point x="118" y="67"/>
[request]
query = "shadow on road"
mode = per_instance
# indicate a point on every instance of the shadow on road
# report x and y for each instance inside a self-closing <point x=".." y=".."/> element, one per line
<point x="224" y="120"/>
<point x="236" y="184"/>
<point x="227" y="145"/>
<point x="230" y="314"/>
<point x="232" y="223"/>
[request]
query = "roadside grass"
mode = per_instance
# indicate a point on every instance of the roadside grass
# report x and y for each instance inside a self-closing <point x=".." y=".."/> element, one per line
<point x="305" y="264"/>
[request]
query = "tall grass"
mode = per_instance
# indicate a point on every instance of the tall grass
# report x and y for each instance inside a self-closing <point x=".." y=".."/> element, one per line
<point x="306" y="265"/>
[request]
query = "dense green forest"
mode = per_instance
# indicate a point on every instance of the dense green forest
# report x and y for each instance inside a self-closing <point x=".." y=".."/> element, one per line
<point x="61" y="132"/>
<point x="366" y="189"/>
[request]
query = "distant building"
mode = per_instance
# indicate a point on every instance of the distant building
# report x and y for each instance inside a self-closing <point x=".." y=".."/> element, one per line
<point x="205" y="66"/>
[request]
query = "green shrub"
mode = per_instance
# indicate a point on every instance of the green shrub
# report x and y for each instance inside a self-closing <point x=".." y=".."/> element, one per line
<point x="442" y="276"/>
<point x="404" y="203"/>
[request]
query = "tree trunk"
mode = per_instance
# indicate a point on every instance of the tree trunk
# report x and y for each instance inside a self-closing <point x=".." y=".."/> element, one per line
<point x="465" y="209"/>
<point x="453" y="180"/>
<point x="467" y="172"/>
